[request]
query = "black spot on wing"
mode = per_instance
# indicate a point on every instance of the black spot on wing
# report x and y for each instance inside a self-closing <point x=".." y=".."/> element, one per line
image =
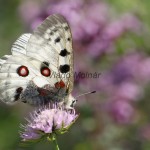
<point x="51" y="33"/>
<point x="49" y="39"/>
<point x="18" y="92"/>
<point x="55" y="30"/>
<point x="46" y="63"/>
<point x="69" y="39"/>
<point x="66" y="28"/>
<point x="67" y="91"/>
<point x="4" y="58"/>
<point x="64" y="68"/>
<point x="57" y="40"/>
<point x="64" y="53"/>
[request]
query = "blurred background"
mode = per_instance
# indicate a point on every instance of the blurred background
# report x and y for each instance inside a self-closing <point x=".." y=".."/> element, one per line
<point x="110" y="38"/>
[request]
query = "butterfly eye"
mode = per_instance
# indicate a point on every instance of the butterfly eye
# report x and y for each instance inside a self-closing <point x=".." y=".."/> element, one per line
<point x="23" y="71"/>
<point x="45" y="71"/>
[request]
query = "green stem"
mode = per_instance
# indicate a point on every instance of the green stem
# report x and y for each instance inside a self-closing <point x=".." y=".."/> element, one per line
<point x="56" y="144"/>
<point x="53" y="138"/>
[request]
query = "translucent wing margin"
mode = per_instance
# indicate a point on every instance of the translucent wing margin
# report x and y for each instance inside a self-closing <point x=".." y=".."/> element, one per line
<point x="19" y="47"/>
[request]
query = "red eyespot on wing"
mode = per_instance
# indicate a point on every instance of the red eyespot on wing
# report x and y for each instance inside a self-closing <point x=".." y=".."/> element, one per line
<point x="23" y="71"/>
<point x="45" y="71"/>
<point x="60" y="84"/>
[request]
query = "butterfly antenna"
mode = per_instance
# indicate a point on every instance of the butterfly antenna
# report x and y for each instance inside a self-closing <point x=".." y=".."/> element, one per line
<point x="86" y="93"/>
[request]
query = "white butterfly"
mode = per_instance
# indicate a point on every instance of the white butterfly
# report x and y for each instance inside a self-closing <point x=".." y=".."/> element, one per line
<point x="27" y="74"/>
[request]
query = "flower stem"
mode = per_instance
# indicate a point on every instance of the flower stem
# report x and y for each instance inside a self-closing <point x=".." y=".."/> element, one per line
<point x="56" y="144"/>
<point x="53" y="138"/>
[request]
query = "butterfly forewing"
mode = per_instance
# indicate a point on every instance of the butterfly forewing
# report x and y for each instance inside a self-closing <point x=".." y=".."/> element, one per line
<point x="53" y="41"/>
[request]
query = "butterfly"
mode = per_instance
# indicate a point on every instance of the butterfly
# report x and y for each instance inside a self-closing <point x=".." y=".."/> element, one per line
<point x="40" y="68"/>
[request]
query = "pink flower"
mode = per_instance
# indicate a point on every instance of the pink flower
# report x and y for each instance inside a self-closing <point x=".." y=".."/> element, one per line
<point x="48" y="121"/>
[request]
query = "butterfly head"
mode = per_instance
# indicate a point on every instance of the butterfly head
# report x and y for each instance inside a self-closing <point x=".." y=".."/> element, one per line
<point x="70" y="102"/>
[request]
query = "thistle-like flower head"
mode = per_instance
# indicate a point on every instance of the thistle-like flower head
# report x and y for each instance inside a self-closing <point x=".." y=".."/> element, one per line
<point x="47" y="122"/>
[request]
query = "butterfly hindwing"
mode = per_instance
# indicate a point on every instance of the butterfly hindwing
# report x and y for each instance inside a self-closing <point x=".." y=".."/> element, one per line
<point x="14" y="77"/>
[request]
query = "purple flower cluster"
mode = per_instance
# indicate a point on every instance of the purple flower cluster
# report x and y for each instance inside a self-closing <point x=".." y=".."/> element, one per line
<point x="48" y="121"/>
<point x="123" y="86"/>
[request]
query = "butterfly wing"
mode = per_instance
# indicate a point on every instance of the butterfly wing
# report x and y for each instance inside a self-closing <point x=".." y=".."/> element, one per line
<point x="50" y="46"/>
